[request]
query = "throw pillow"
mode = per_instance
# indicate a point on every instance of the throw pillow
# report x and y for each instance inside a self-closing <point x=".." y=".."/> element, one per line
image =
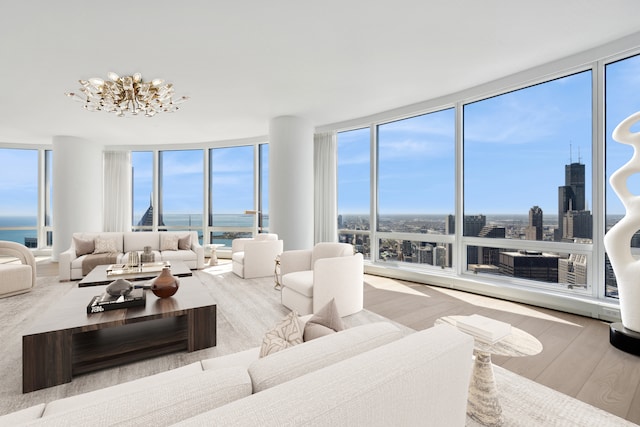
<point x="105" y="245"/>
<point x="326" y="321"/>
<point x="169" y="242"/>
<point x="184" y="243"/>
<point x="285" y="334"/>
<point x="83" y="247"/>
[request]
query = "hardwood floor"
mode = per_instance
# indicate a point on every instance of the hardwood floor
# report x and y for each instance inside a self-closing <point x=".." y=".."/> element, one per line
<point x="577" y="358"/>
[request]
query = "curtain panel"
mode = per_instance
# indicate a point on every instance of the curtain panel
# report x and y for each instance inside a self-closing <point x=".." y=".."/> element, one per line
<point x="117" y="191"/>
<point x="325" y="191"/>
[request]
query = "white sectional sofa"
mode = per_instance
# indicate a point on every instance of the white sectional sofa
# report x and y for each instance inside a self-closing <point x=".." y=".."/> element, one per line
<point x="161" y="242"/>
<point x="369" y="375"/>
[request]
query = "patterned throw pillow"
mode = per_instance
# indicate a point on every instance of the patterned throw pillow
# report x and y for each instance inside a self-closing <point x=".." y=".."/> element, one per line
<point x="83" y="247"/>
<point x="169" y="242"/>
<point x="184" y="243"/>
<point x="285" y="334"/>
<point x="105" y="245"/>
<point x="326" y="321"/>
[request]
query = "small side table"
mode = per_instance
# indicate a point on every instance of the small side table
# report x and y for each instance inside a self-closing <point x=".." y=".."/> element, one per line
<point x="214" y="258"/>
<point x="483" y="403"/>
<point x="276" y="273"/>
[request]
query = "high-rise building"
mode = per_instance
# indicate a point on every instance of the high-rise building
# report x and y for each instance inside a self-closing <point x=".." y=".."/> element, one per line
<point x="571" y="197"/>
<point x="530" y="265"/>
<point x="535" y="227"/>
<point x="573" y="270"/>
<point x="425" y="254"/>
<point x="450" y="224"/>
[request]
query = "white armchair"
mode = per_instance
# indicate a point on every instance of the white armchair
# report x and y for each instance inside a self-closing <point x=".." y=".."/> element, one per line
<point x="311" y="278"/>
<point x="16" y="278"/>
<point x="255" y="257"/>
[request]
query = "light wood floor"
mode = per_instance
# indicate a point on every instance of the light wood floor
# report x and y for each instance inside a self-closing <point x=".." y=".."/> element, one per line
<point x="577" y="358"/>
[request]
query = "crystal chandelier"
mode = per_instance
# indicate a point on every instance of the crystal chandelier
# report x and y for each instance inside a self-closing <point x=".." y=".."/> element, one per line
<point x="127" y="95"/>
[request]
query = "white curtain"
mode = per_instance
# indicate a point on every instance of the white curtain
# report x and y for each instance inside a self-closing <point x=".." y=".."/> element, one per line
<point x="325" y="202"/>
<point x="117" y="191"/>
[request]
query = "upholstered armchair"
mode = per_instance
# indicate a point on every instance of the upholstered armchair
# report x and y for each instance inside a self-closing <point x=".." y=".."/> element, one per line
<point x="16" y="278"/>
<point x="255" y="257"/>
<point x="311" y="278"/>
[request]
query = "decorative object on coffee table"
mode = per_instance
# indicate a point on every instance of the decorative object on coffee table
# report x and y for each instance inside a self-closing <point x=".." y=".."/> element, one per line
<point x="617" y="242"/>
<point x="147" y="255"/>
<point x="165" y="285"/>
<point x="134" y="259"/>
<point x="483" y="403"/>
<point x="119" y="287"/>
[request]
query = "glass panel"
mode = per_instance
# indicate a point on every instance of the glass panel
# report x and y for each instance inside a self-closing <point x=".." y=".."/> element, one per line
<point x="264" y="188"/>
<point x="527" y="163"/>
<point x="563" y="270"/>
<point x="19" y="196"/>
<point x="48" y="192"/>
<point x="232" y="184"/>
<point x="142" y="165"/>
<point x="621" y="83"/>
<point x="181" y="189"/>
<point x="354" y="189"/>
<point x="416" y="173"/>
<point x="416" y="252"/>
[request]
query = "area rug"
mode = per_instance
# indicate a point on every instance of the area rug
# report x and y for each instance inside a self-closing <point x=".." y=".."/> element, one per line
<point x="246" y="309"/>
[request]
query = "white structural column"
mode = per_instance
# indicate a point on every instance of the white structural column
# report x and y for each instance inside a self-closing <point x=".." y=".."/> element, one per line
<point x="77" y="193"/>
<point x="291" y="181"/>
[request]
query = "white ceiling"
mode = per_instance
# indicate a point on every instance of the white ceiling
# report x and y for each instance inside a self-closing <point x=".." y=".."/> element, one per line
<point x="245" y="62"/>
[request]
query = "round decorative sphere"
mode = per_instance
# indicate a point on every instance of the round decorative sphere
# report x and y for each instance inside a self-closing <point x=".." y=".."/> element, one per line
<point x="165" y="285"/>
<point x="119" y="287"/>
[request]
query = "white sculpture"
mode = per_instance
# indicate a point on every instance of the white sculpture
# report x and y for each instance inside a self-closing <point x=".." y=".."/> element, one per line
<point x="617" y="241"/>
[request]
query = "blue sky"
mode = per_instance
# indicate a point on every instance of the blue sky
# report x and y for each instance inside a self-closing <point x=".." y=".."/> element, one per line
<point x="516" y="148"/>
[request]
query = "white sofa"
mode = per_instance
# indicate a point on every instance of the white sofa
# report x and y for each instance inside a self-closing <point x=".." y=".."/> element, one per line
<point x="71" y="261"/>
<point x="369" y="375"/>
<point x="16" y="278"/>
<point x="310" y="278"/>
<point x="253" y="257"/>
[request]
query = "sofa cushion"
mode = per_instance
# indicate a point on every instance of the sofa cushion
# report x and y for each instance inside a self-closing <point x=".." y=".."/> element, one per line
<point x="300" y="281"/>
<point x="285" y="334"/>
<point x="326" y="321"/>
<point x="324" y="351"/>
<point x="184" y="242"/>
<point x="162" y="404"/>
<point x="83" y="246"/>
<point x="242" y="359"/>
<point x="169" y="242"/>
<point x="22" y="416"/>
<point x="136" y="241"/>
<point x="104" y="245"/>
<point x="135" y="386"/>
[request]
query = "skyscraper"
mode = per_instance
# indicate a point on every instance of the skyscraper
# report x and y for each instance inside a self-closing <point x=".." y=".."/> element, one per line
<point x="571" y="197"/>
<point x="534" y="229"/>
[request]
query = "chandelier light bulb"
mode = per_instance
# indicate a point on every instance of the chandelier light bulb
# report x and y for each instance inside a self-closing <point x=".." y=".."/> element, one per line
<point x="127" y="95"/>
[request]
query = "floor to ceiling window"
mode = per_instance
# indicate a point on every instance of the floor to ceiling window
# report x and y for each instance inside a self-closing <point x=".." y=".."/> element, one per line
<point x="181" y="177"/>
<point x="622" y="84"/>
<point x="263" y="194"/>
<point x="416" y="189"/>
<point x="527" y="177"/>
<point x="142" y="177"/>
<point x="354" y="177"/>
<point x="231" y="172"/>
<point x="19" y="196"/>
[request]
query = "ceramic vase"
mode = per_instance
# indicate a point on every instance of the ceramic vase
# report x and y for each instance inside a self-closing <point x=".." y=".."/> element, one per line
<point x="165" y="285"/>
<point x="617" y="241"/>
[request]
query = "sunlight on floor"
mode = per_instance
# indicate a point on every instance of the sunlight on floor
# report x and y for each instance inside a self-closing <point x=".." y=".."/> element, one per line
<point x="224" y="266"/>
<point x="469" y="298"/>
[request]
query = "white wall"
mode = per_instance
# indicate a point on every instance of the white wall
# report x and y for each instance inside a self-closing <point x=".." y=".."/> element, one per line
<point x="77" y="189"/>
<point x="291" y="181"/>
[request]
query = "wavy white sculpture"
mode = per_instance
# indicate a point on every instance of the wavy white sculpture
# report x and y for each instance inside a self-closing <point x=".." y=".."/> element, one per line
<point x="617" y="241"/>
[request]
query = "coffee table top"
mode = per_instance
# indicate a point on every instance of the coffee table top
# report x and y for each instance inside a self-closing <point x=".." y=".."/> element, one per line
<point x="69" y="312"/>
<point x="98" y="276"/>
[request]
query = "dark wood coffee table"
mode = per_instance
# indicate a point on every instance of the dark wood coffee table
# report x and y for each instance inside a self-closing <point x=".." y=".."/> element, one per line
<point x="65" y="341"/>
<point x="100" y="276"/>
